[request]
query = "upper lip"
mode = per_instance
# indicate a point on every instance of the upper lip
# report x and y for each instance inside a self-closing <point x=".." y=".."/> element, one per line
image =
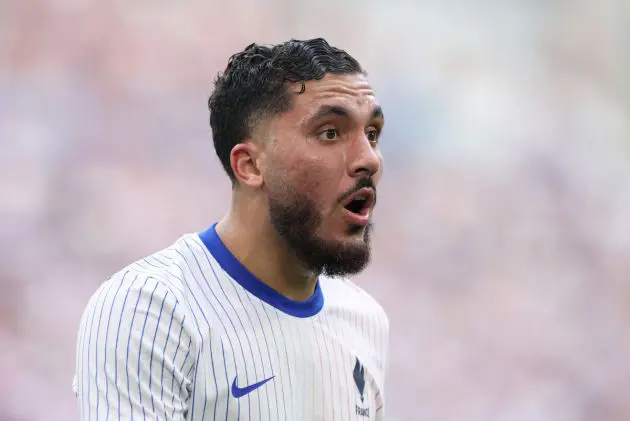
<point x="366" y="192"/>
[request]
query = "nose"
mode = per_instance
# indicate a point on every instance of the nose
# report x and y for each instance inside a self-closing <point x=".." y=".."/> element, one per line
<point x="366" y="159"/>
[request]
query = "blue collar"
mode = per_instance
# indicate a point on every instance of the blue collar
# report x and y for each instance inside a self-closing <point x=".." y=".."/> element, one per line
<point x="255" y="286"/>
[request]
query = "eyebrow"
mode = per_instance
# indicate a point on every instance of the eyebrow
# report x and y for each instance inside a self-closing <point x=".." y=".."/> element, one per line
<point x="337" y="111"/>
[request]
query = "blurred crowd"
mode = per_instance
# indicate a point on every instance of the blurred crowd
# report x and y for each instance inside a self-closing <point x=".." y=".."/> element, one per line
<point x="502" y="241"/>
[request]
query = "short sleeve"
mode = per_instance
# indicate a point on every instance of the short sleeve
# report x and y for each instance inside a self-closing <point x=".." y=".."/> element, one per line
<point x="134" y="356"/>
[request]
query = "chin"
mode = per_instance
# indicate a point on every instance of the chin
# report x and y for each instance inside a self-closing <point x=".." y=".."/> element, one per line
<point x="338" y="254"/>
<point x="351" y="237"/>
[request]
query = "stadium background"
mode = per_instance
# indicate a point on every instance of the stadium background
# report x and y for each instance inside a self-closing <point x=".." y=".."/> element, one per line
<point x="502" y="249"/>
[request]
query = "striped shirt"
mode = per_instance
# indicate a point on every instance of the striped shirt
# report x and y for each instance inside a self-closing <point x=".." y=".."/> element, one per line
<point x="189" y="333"/>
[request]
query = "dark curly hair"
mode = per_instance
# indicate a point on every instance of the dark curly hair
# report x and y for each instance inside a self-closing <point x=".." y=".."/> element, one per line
<point x="253" y="87"/>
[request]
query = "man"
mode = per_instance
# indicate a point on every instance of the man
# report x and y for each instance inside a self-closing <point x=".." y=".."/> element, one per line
<point x="252" y="319"/>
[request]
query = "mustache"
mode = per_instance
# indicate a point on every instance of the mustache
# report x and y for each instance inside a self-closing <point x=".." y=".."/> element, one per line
<point x="362" y="183"/>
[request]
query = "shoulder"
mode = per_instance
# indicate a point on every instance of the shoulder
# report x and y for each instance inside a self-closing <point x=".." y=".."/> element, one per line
<point x="170" y="267"/>
<point x="344" y="293"/>
<point x="171" y="264"/>
<point x="370" y="325"/>
<point x="138" y="317"/>
<point x="156" y="280"/>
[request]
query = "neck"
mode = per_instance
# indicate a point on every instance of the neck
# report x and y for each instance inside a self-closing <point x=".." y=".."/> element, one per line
<point x="249" y="236"/>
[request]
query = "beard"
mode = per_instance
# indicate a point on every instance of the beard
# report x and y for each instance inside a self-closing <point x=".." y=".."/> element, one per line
<point x="296" y="220"/>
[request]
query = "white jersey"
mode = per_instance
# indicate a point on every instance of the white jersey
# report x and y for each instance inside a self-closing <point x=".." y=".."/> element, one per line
<point x="190" y="334"/>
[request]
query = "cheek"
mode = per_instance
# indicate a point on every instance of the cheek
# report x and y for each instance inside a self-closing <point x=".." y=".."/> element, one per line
<point x="316" y="180"/>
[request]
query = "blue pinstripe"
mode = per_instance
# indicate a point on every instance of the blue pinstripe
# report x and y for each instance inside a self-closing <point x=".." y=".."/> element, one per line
<point x="303" y="412"/>
<point x="192" y="410"/>
<point x="157" y="327"/>
<point x="330" y="364"/>
<point x="227" y="413"/>
<point x="220" y="319"/>
<point x="98" y="331"/>
<point x="109" y="317"/>
<point x="197" y="324"/>
<point x="144" y="324"/>
<point x="168" y="335"/>
<point x="198" y="329"/>
<point x="275" y="389"/>
<point x="133" y="318"/>
<point x="334" y="356"/>
<point x="248" y="341"/>
<point x="89" y="398"/>
<point x="202" y="344"/>
<point x="116" y="348"/>
<point x="173" y="377"/>
<point x="314" y="345"/>
<point x="273" y="335"/>
<point x="164" y="266"/>
<point x="262" y="364"/>
<point x="179" y="341"/>
<point x="286" y="353"/>
<point x="138" y="267"/>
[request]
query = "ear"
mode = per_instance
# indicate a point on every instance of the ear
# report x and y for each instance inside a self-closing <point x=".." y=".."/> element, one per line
<point x="244" y="159"/>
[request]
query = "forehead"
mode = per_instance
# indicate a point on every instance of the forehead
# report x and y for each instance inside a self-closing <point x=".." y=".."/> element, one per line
<point x="353" y="92"/>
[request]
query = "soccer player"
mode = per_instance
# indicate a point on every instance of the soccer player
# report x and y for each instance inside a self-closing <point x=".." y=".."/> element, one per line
<point x="254" y="318"/>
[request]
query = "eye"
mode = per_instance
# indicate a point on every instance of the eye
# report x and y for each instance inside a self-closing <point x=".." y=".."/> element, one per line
<point x="373" y="135"/>
<point x="329" y="134"/>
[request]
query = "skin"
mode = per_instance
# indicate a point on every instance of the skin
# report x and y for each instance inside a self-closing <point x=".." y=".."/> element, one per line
<point x="320" y="149"/>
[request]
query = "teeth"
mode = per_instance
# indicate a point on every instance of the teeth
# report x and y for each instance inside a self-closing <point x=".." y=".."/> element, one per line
<point x="360" y="198"/>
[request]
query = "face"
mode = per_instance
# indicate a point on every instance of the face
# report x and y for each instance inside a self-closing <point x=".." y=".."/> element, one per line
<point x="320" y="173"/>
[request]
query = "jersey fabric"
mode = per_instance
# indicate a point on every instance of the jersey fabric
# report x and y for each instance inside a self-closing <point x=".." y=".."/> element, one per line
<point x="189" y="333"/>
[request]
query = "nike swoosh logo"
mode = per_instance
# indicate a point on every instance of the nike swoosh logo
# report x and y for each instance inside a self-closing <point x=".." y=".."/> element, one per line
<point x="239" y="392"/>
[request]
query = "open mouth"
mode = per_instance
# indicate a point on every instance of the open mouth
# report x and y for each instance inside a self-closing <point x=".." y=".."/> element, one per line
<point x="360" y="202"/>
